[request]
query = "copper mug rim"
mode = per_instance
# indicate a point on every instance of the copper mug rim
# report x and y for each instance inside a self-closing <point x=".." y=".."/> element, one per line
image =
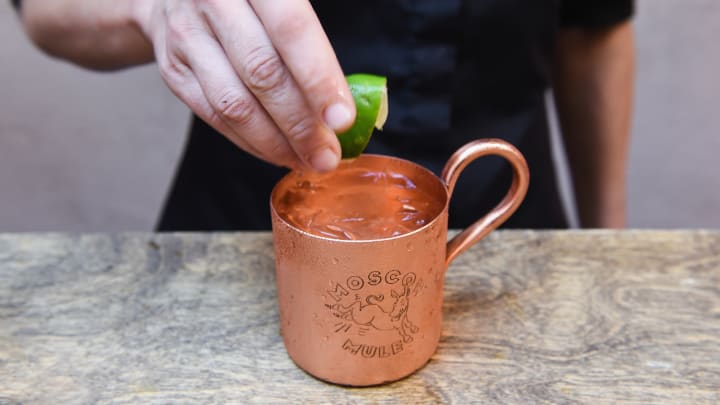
<point x="447" y="180"/>
<point x="365" y="156"/>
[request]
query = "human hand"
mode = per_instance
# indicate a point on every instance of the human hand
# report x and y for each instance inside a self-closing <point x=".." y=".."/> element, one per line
<point x="260" y="72"/>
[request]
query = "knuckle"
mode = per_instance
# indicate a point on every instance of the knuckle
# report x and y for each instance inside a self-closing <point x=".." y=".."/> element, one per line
<point x="208" y="8"/>
<point x="166" y="71"/>
<point x="300" y="129"/>
<point x="173" y="71"/>
<point x="272" y="145"/>
<point x="318" y="84"/>
<point x="276" y="148"/>
<point x="235" y="108"/>
<point x="177" y="67"/>
<point x="180" y="26"/>
<point x="181" y="31"/>
<point x="265" y="70"/>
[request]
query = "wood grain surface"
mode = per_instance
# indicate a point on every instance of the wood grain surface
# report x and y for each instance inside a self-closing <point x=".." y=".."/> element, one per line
<point x="530" y="317"/>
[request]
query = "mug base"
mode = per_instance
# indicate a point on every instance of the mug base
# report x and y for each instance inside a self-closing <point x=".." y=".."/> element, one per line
<point x="368" y="384"/>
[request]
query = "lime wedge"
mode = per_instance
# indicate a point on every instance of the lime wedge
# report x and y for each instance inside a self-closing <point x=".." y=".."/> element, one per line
<point x="371" y="101"/>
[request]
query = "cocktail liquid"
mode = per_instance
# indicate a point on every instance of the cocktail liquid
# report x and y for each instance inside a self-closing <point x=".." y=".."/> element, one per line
<point x="357" y="203"/>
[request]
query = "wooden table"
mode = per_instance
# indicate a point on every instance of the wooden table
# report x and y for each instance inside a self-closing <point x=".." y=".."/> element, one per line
<point x="593" y="317"/>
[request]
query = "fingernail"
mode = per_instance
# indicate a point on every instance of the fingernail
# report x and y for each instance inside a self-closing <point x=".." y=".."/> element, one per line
<point x="324" y="160"/>
<point x="338" y="117"/>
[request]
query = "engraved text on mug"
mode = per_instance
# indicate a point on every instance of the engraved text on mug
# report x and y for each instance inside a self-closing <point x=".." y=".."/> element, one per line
<point x="364" y="311"/>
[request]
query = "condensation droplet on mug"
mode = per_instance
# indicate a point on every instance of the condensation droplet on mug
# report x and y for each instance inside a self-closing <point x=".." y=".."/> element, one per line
<point x="410" y="247"/>
<point x="326" y="338"/>
<point x="335" y="260"/>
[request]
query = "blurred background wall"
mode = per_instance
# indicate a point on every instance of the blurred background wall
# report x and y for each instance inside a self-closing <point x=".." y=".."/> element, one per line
<point x="83" y="151"/>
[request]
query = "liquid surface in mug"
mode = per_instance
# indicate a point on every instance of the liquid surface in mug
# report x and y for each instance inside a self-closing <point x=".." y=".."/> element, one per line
<point x="357" y="203"/>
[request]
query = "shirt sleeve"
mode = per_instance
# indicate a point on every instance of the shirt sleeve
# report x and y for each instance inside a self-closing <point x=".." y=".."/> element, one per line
<point x="595" y="13"/>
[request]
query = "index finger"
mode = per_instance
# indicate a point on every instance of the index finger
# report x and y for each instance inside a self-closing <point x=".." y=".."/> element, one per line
<point x="298" y="37"/>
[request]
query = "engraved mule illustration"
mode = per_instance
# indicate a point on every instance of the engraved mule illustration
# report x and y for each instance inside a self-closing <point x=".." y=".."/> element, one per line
<point x="371" y="313"/>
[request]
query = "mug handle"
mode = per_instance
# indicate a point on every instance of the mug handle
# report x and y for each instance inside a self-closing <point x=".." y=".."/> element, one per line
<point x="521" y="179"/>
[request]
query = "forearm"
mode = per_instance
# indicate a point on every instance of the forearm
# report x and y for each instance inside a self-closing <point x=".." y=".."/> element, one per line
<point x="97" y="34"/>
<point x="593" y="88"/>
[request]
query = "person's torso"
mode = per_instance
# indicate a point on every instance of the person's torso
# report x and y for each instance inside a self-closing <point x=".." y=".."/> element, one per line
<point x="457" y="70"/>
<point x="451" y="64"/>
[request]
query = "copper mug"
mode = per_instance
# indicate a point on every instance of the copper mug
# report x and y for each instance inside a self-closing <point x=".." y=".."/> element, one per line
<point x="366" y="312"/>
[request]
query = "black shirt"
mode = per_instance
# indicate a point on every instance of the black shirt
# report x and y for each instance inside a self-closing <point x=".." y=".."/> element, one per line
<point x="457" y="70"/>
